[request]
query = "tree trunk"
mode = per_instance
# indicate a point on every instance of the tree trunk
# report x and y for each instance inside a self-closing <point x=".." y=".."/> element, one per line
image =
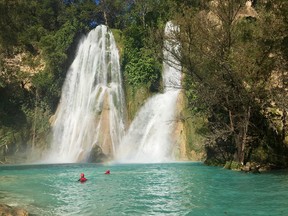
<point x="105" y="17"/>
<point x="244" y="138"/>
<point x="34" y="121"/>
<point x="231" y="121"/>
<point x="284" y="123"/>
<point x="241" y="138"/>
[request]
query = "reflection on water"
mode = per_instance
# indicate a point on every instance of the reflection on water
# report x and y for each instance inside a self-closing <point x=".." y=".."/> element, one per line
<point x="143" y="189"/>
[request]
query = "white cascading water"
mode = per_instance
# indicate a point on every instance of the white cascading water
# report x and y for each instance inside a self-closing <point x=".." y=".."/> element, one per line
<point x="149" y="138"/>
<point x="93" y="86"/>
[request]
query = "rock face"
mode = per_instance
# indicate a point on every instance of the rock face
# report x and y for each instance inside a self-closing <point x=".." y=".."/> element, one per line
<point x="97" y="155"/>
<point x="105" y="140"/>
<point x="189" y="144"/>
<point x="6" y="210"/>
<point x="180" y="131"/>
<point x="248" y="11"/>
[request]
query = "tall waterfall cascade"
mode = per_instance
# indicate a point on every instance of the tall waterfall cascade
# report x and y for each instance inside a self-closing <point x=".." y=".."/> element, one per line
<point x="92" y="106"/>
<point x="149" y="138"/>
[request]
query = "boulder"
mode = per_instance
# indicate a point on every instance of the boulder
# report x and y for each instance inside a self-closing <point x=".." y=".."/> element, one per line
<point x="97" y="155"/>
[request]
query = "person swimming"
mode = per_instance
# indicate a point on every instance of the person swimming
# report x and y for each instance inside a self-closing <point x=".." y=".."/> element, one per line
<point x="82" y="178"/>
<point x="107" y="172"/>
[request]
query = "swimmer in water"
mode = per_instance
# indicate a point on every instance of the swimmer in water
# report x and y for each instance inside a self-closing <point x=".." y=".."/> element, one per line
<point x="82" y="178"/>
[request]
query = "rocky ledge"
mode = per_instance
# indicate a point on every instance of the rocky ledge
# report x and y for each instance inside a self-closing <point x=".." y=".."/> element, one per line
<point x="6" y="210"/>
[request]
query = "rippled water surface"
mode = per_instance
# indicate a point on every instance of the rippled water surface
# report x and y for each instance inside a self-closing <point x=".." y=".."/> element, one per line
<point x="143" y="189"/>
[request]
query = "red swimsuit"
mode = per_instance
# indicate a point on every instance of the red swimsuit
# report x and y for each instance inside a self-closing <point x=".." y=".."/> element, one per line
<point x="82" y="179"/>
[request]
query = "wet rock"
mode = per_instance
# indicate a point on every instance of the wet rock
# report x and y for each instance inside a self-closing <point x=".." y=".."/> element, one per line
<point x="252" y="167"/>
<point x="255" y="169"/>
<point x="246" y="167"/>
<point x="6" y="210"/>
<point x="97" y="155"/>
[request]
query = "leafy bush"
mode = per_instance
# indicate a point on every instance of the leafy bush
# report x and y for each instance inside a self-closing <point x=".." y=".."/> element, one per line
<point x="142" y="69"/>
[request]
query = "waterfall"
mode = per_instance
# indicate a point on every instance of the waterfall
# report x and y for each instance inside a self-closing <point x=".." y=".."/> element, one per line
<point x="149" y="138"/>
<point x="92" y="106"/>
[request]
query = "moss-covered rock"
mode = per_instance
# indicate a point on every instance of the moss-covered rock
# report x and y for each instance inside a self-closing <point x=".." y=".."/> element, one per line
<point x="135" y="98"/>
<point x="233" y="165"/>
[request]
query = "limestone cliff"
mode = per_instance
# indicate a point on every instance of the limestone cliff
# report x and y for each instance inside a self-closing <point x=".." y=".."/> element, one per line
<point x="189" y="142"/>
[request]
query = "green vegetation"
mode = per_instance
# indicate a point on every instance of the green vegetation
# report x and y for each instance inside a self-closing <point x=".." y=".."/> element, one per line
<point x="234" y="61"/>
<point x="36" y="40"/>
<point x="230" y="52"/>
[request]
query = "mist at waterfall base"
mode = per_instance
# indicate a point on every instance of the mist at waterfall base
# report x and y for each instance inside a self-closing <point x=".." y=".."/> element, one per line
<point x="92" y="106"/>
<point x="148" y="138"/>
<point x="93" y="85"/>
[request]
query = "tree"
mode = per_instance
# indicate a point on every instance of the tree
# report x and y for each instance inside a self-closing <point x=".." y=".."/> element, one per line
<point x="226" y="56"/>
<point x="279" y="35"/>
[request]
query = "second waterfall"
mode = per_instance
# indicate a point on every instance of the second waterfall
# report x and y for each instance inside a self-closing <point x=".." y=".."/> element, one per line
<point x="149" y="138"/>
